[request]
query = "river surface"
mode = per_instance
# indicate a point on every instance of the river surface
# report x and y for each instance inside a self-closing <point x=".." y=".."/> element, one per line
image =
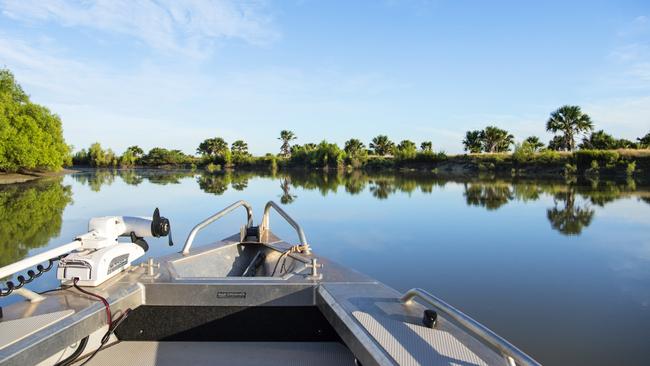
<point x="561" y="269"/>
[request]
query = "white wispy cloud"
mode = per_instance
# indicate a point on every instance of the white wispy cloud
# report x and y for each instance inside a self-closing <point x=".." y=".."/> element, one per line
<point x="633" y="55"/>
<point x="627" y="117"/>
<point x="178" y="105"/>
<point x="187" y="26"/>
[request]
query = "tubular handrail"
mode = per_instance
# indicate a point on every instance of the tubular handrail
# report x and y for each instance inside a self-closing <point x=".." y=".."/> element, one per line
<point x="292" y="222"/>
<point x="514" y="356"/>
<point x="215" y="217"/>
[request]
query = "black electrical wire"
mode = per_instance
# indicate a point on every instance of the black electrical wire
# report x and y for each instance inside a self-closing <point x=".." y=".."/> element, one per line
<point x="77" y="352"/>
<point x="278" y="262"/>
<point x="107" y="335"/>
<point x="103" y="300"/>
<point x="22" y="281"/>
<point x="61" y="288"/>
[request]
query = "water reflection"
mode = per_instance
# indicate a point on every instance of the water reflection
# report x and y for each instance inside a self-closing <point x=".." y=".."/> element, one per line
<point x="95" y="179"/>
<point x="491" y="196"/>
<point x="286" y="197"/>
<point x="30" y="214"/>
<point x="569" y="218"/>
<point x="570" y="213"/>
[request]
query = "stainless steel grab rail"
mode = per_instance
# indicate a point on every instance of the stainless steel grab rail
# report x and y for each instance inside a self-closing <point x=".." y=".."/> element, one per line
<point x="292" y="222"/>
<point x="215" y="217"/>
<point x="514" y="356"/>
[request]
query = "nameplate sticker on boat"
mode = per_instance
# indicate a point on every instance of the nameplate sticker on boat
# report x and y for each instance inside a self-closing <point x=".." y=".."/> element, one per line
<point x="231" y="295"/>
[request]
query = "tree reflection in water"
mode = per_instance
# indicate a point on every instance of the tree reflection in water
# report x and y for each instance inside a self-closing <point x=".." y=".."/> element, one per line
<point x="96" y="179"/>
<point x="31" y="215"/>
<point x="567" y="216"/>
<point x="215" y="184"/>
<point x="571" y="218"/>
<point x="286" y="197"/>
<point x="490" y="196"/>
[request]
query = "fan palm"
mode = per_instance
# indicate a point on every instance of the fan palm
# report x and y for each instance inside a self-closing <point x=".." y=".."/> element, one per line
<point x="570" y="122"/>
<point x="382" y="145"/>
<point x="286" y="137"/>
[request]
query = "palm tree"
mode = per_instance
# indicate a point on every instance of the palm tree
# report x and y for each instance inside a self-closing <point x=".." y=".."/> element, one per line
<point x="426" y="146"/>
<point x="557" y="143"/>
<point x="353" y="146"/>
<point x="212" y="147"/>
<point x="571" y="122"/>
<point x="472" y="141"/>
<point x="407" y="145"/>
<point x="599" y="140"/>
<point x="135" y="150"/>
<point x="534" y="143"/>
<point x="495" y="139"/>
<point x="286" y="137"/>
<point x="382" y="145"/>
<point x="239" y="147"/>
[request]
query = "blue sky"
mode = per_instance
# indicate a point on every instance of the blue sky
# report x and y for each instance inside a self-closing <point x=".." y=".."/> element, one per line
<point x="171" y="73"/>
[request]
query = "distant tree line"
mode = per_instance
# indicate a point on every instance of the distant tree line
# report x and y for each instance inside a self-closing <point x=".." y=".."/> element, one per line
<point x="31" y="138"/>
<point x="567" y="123"/>
<point x="98" y="157"/>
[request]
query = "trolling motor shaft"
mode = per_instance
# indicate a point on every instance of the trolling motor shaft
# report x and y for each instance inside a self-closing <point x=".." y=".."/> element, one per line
<point x="97" y="255"/>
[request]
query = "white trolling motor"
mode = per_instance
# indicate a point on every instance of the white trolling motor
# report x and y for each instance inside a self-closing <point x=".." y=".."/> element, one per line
<point x="101" y="256"/>
<point x="96" y="256"/>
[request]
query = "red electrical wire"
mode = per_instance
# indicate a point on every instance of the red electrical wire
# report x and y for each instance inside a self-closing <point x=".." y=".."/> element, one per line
<point x="106" y="304"/>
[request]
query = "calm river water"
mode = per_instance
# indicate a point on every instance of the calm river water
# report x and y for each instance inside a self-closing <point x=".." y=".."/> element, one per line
<point x="560" y="269"/>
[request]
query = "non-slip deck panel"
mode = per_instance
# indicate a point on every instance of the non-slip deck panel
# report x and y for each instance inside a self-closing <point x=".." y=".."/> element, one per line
<point x="227" y="323"/>
<point x="413" y="344"/>
<point x="226" y="353"/>
<point x="11" y="331"/>
<point x="382" y="330"/>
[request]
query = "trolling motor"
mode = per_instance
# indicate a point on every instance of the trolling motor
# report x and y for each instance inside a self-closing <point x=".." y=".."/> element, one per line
<point x="96" y="256"/>
<point x="101" y="256"/>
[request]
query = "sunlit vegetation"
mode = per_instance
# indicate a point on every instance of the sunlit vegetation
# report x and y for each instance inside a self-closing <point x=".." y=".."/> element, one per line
<point x="31" y="215"/>
<point x="490" y="153"/>
<point x="98" y="157"/>
<point x="31" y="137"/>
<point x="567" y="122"/>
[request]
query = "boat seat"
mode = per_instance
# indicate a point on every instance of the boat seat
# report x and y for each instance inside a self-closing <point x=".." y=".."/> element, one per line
<point x="224" y="353"/>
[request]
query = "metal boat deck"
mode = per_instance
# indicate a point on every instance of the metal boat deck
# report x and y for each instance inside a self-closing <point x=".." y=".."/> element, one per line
<point x="222" y="304"/>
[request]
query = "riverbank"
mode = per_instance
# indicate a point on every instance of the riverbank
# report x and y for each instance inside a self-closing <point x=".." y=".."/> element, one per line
<point x="548" y="165"/>
<point x="22" y="177"/>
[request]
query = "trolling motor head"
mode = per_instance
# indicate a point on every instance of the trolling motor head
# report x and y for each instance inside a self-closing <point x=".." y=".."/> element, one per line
<point x="160" y="226"/>
<point x="101" y="256"/>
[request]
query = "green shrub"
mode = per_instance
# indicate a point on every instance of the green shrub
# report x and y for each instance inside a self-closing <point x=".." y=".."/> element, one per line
<point x="160" y="156"/>
<point x="604" y="158"/>
<point x="322" y="155"/>
<point x="31" y="137"/>
<point x="523" y="152"/>
<point x="548" y="156"/>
